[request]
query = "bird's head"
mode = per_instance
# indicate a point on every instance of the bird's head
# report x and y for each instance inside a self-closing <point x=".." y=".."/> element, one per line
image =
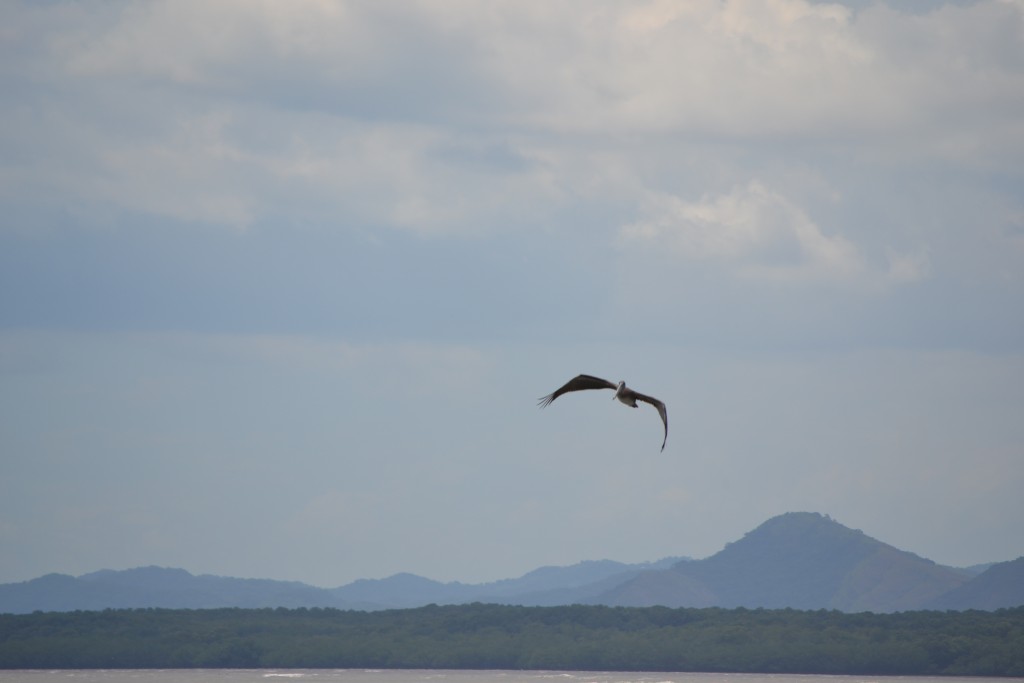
<point x="622" y="383"/>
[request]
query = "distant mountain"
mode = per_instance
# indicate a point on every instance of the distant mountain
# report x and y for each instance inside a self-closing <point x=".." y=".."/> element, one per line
<point x="1001" y="585"/>
<point x="579" y="583"/>
<point x="800" y="560"/>
<point x="976" y="569"/>
<point x="403" y="590"/>
<point x="547" y="585"/>
<point x="157" y="587"/>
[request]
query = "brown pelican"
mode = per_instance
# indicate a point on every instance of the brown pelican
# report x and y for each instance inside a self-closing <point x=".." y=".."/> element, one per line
<point x="622" y="392"/>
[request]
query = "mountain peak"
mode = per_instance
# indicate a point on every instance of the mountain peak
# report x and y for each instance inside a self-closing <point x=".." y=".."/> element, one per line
<point x="807" y="560"/>
<point x="796" y="523"/>
<point x="805" y="536"/>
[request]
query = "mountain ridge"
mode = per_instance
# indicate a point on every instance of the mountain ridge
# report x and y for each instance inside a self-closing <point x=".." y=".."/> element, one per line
<point x="801" y="561"/>
<point x="798" y="560"/>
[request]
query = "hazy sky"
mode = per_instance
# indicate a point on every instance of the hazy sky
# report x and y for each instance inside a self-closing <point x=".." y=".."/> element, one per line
<point x="281" y="282"/>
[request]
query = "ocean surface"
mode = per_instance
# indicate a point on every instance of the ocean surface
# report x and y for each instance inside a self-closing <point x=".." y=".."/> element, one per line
<point x="435" y="676"/>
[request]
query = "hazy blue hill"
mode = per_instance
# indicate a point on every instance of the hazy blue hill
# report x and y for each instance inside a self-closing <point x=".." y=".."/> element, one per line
<point x="548" y="578"/>
<point x="157" y="587"/>
<point x="797" y="560"/>
<point x="576" y="576"/>
<point x="402" y="590"/>
<point x="800" y="560"/>
<point x="49" y="593"/>
<point x="1001" y="585"/>
<point x="543" y="586"/>
<point x="794" y="560"/>
<point x="668" y="588"/>
<point x="809" y="561"/>
<point x="891" y="580"/>
<point x="177" y="588"/>
<point x="580" y="583"/>
<point x="976" y="569"/>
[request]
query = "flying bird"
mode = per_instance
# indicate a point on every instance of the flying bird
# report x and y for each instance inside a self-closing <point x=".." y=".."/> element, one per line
<point x="622" y="392"/>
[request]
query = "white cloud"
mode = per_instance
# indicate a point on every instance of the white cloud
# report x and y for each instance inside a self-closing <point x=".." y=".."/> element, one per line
<point x="220" y="112"/>
<point x="758" y="69"/>
<point x="742" y="67"/>
<point x="752" y="231"/>
<point x="197" y="43"/>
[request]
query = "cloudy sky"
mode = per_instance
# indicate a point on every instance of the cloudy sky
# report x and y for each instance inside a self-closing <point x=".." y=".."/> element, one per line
<point x="281" y="282"/>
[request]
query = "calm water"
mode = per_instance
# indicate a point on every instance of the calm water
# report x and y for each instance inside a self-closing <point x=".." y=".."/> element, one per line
<point x="434" y="676"/>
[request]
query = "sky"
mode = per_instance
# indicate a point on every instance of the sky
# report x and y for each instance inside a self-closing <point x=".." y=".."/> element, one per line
<point x="282" y="282"/>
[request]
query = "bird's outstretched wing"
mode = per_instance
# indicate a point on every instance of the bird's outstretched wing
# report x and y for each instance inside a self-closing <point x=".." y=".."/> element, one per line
<point x="578" y="383"/>
<point x="661" y="411"/>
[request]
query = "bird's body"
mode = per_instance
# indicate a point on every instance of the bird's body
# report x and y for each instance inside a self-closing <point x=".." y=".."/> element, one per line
<point x="623" y="393"/>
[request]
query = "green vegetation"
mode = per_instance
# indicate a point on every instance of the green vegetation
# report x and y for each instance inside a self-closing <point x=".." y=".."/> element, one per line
<point x="482" y="636"/>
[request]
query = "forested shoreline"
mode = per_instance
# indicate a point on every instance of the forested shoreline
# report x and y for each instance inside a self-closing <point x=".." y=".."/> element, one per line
<point x="484" y="636"/>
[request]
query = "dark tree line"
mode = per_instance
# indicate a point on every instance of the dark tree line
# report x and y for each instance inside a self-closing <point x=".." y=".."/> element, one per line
<point x="482" y="636"/>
